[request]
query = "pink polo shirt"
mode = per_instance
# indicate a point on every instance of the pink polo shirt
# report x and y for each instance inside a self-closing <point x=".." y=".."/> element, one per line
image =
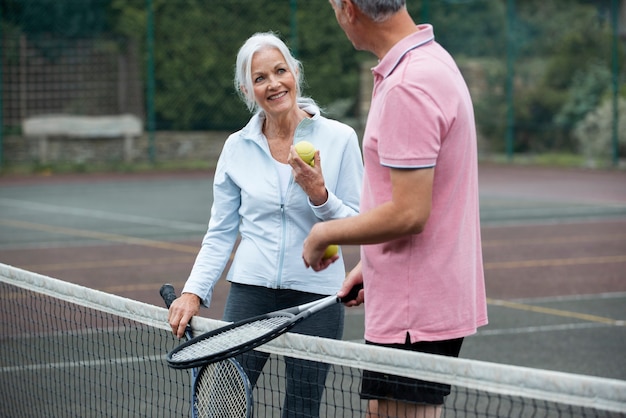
<point x="430" y="285"/>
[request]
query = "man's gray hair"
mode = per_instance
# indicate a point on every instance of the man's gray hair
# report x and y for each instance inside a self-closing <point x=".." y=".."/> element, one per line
<point x="377" y="10"/>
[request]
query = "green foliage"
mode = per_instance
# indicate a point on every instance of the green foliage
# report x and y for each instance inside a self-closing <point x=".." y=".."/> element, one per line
<point x="196" y="43"/>
<point x="486" y="79"/>
<point x="66" y="20"/>
<point x="128" y="18"/>
<point x="584" y="95"/>
<point x="563" y="68"/>
<point x="69" y="18"/>
<point x="533" y="127"/>
<point x="577" y="52"/>
<point x="461" y="31"/>
<point x="331" y="65"/>
<point x="594" y="134"/>
<point x="561" y="51"/>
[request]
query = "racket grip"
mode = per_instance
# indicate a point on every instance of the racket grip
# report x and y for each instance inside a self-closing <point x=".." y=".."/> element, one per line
<point x="354" y="292"/>
<point x="168" y="294"/>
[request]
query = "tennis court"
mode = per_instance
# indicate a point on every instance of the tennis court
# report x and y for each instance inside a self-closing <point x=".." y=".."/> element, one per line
<point x="554" y="248"/>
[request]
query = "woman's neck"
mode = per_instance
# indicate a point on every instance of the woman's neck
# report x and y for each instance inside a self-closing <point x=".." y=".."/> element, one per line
<point x="282" y="126"/>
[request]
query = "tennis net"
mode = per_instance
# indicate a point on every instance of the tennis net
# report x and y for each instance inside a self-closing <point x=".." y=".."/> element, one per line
<point x="67" y="350"/>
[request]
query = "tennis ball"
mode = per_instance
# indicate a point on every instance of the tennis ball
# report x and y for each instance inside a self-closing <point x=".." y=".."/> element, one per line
<point x="306" y="151"/>
<point x="331" y="250"/>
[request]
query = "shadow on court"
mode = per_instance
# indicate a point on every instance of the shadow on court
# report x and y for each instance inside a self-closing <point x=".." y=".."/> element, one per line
<point x="554" y="251"/>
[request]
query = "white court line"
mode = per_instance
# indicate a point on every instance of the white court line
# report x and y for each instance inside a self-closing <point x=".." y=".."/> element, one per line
<point x="98" y="214"/>
<point x="568" y="298"/>
<point x="553" y="220"/>
<point x="559" y="327"/>
<point x="542" y="328"/>
<point x="71" y="364"/>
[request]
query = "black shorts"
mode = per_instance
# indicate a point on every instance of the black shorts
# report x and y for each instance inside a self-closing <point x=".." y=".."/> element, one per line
<point x="376" y="385"/>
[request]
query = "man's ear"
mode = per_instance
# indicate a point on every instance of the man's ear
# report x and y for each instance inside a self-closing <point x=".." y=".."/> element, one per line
<point x="349" y="9"/>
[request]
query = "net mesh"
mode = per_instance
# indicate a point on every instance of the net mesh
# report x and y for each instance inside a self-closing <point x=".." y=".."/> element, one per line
<point x="66" y="350"/>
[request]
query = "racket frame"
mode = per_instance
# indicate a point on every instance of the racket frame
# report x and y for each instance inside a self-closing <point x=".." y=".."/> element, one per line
<point x="200" y="410"/>
<point x="296" y="314"/>
<point x="169" y="295"/>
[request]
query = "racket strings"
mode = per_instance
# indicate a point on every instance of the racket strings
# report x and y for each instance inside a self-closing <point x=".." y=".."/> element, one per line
<point x="222" y="391"/>
<point x="230" y="338"/>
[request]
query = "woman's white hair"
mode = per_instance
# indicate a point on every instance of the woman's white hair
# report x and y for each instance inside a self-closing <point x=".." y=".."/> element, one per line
<point x="243" y="68"/>
<point x="377" y="10"/>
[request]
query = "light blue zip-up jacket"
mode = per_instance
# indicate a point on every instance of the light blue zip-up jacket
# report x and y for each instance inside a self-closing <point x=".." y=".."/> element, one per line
<point x="247" y="200"/>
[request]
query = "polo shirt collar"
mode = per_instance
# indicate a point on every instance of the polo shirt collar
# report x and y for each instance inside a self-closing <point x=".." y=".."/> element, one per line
<point x="393" y="57"/>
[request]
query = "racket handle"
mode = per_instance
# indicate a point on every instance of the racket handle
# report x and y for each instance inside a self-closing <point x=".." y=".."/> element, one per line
<point x="354" y="292"/>
<point x="168" y="294"/>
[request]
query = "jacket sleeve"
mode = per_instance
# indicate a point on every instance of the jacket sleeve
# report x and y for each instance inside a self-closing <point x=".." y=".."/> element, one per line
<point x="220" y="238"/>
<point x="344" y="200"/>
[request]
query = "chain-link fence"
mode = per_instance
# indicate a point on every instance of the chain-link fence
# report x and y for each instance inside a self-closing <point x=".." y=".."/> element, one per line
<point x="546" y="77"/>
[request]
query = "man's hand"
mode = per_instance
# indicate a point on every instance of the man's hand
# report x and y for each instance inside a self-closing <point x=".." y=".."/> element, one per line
<point x="313" y="250"/>
<point x="354" y="277"/>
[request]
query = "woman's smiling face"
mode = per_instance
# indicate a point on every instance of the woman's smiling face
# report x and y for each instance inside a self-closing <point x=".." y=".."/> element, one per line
<point x="274" y="84"/>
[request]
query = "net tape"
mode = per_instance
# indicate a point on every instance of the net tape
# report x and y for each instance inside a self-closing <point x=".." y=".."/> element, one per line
<point x="577" y="390"/>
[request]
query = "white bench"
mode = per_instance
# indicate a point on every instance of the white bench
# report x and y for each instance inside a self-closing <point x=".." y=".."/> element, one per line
<point x="127" y="127"/>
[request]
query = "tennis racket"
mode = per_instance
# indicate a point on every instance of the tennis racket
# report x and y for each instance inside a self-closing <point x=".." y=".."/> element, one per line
<point x="245" y="335"/>
<point x="219" y="389"/>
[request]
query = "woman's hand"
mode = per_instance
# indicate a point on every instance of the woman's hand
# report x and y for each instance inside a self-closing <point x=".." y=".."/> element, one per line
<point x="181" y="311"/>
<point x="309" y="178"/>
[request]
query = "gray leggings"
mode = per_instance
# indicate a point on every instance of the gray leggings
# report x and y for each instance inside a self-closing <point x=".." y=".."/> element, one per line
<point x="305" y="379"/>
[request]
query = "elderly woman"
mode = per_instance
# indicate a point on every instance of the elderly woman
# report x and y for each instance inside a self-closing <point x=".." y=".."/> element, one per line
<point x="270" y="197"/>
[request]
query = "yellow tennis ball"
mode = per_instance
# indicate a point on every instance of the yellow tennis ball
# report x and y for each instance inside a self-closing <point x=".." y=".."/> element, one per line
<point x="331" y="250"/>
<point x="306" y="151"/>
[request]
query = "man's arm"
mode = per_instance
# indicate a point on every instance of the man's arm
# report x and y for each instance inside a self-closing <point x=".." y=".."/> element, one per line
<point x="406" y="213"/>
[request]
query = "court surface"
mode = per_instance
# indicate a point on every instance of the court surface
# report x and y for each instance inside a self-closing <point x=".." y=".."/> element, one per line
<point x="554" y="245"/>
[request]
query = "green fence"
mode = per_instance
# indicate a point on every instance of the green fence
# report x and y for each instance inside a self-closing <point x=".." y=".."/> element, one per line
<point x="546" y="77"/>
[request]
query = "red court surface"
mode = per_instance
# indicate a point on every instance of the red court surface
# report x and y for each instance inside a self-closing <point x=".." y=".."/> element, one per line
<point x="554" y="245"/>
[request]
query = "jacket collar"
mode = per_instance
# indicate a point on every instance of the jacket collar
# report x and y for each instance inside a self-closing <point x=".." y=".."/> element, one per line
<point x="253" y="129"/>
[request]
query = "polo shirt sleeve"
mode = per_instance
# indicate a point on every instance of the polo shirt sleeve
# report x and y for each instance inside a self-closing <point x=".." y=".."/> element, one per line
<point x="411" y="129"/>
